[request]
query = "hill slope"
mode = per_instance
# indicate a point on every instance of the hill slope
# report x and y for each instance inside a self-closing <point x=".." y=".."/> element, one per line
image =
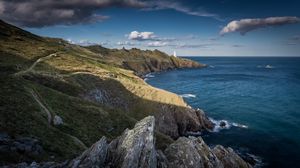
<point x="57" y="98"/>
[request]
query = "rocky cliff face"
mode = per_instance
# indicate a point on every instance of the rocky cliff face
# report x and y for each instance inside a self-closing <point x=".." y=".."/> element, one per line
<point x="135" y="148"/>
<point x="143" y="62"/>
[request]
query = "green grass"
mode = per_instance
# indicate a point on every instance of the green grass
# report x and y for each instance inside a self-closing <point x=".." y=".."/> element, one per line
<point x="66" y="94"/>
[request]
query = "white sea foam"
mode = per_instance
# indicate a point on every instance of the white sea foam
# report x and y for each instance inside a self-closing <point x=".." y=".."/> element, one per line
<point x="239" y="125"/>
<point x="211" y="66"/>
<point x="149" y="75"/>
<point x="145" y="79"/>
<point x="269" y="67"/>
<point x="265" y="66"/>
<point x="224" y="124"/>
<point x="188" y="95"/>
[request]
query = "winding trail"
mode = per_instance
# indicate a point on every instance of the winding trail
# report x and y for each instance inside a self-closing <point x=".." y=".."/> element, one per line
<point x="35" y="63"/>
<point x="37" y="99"/>
<point x="49" y="117"/>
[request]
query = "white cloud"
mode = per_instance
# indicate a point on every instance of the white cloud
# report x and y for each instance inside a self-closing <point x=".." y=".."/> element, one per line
<point x="125" y="43"/>
<point x="85" y="42"/>
<point x="157" y="44"/>
<point x="245" y="25"/>
<point x="135" y="35"/>
<point x="163" y="4"/>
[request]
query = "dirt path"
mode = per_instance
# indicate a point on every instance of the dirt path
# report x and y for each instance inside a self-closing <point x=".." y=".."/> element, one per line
<point x="37" y="99"/>
<point x="49" y="117"/>
<point x="35" y="63"/>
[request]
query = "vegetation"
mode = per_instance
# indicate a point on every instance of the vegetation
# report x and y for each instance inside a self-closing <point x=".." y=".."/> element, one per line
<point x="93" y="89"/>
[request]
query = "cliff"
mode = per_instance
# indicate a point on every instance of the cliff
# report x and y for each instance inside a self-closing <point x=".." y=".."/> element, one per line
<point x="143" y="62"/>
<point x="135" y="148"/>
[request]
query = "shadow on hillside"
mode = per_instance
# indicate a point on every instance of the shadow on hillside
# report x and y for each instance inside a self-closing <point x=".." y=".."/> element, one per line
<point x="92" y="107"/>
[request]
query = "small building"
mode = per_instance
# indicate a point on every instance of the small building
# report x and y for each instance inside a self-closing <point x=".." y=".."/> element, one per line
<point x="174" y="54"/>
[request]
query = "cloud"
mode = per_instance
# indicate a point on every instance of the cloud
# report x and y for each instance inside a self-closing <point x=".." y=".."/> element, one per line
<point x="141" y="36"/>
<point x="157" y="44"/>
<point x="237" y="45"/>
<point x="161" y="5"/>
<point x="85" y="42"/>
<point x="40" y="13"/>
<point x="125" y="43"/>
<point x="192" y="45"/>
<point x="243" y="26"/>
<point x="295" y="40"/>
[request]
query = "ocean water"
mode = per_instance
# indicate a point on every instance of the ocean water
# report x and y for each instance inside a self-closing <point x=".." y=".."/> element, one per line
<point x="258" y="97"/>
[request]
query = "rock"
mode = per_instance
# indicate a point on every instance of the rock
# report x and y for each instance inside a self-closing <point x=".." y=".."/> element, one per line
<point x="193" y="152"/>
<point x="57" y="120"/>
<point x="4" y="137"/>
<point x="222" y="124"/>
<point x="22" y="145"/>
<point x="178" y="121"/>
<point x="94" y="157"/>
<point x="135" y="148"/>
<point x="162" y="161"/>
<point x="229" y="158"/>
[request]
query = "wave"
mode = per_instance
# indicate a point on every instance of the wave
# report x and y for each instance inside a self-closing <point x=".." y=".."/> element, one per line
<point x="211" y="66"/>
<point x="145" y="79"/>
<point x="224" y="124"/>
<point x="265" y="66"/>
<point x="149" y="75"/>
<point x="188" y="95"/>
<point x="269" y="67"/>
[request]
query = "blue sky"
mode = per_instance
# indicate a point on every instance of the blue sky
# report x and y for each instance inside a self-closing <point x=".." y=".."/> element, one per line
<point x="190" y="27"/>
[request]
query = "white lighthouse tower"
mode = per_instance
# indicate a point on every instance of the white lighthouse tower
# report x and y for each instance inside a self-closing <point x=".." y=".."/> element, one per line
<point x="174" y="54"/>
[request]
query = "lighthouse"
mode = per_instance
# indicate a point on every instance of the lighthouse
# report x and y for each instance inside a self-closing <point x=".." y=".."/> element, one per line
<point x="174" y="54"/>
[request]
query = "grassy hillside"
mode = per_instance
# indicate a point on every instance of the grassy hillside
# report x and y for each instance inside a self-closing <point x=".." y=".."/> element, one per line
<point x="95" y="91"/>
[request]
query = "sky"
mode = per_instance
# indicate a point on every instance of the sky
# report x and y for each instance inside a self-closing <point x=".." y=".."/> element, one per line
<point x="189" y="27"/>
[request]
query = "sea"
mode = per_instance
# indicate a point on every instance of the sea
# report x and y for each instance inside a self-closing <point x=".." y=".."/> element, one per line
<point x="257" y="97"/>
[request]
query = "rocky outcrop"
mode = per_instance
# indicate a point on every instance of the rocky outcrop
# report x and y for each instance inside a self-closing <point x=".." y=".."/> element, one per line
<point x="93" y="157"/>
<point x="24" y="147"/>
<point x="176" y="121"/>
<point x="229" y="158"/>
<point x="193" y="152"/>
<point x="135" y="148"/>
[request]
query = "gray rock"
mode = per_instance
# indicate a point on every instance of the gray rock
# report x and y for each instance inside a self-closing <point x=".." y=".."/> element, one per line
<point x="94" y="157"/>
<point x="135" y="148"/>
<point x="178" y="121"/>
<point x="192" y="152"/>
<point x="162" y="161"/>
<point x="57" y="120"/>
<point x="229" y="158"/>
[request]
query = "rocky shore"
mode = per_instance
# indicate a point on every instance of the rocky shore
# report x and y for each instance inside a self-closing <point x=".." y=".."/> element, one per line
<point x="135" y="148"/>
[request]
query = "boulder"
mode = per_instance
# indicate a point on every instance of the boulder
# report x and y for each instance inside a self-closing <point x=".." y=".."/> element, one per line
<point x="57" y="120"/>
<point x="94" y="157"/>
<point x="135" y="148"/>
<point x="192" y="152"/>
<point x="229" y="158"/>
